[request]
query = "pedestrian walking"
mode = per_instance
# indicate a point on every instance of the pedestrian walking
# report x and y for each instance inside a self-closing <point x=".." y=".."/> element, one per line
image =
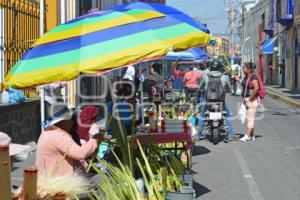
<point x="235" y="77"/>
<point x="250" y="86"/>
<point x="191" y="82"/>
<point x="128" y="76"/>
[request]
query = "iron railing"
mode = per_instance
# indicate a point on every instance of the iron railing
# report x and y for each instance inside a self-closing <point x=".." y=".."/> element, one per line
<point x="20" y="24"/>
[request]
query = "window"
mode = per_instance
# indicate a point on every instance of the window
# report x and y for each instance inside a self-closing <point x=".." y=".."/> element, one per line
<point x="297" y="7"/>
<point x="185" y="67"/>
<point x="278" y="10"/>
<point x="86" y="5"/>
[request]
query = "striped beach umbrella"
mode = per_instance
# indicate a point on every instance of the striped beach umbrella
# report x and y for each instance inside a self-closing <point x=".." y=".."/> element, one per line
<point x="167" y="10"/>
<point x="102" y="41"/>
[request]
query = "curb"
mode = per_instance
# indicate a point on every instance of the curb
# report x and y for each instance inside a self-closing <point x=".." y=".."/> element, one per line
<point x="282" y="98"/>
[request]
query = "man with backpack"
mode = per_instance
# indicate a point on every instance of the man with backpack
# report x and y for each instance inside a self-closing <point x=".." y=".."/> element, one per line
<point x="216" y="85"/>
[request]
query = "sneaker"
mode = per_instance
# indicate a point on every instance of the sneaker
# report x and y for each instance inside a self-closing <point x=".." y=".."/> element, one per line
<point x="226" y="139"/>
<point x="253" y="138"/>
<point x="245" y="138"/>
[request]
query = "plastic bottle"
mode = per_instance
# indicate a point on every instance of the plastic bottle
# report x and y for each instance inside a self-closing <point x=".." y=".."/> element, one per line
<point x="4" y="97"/>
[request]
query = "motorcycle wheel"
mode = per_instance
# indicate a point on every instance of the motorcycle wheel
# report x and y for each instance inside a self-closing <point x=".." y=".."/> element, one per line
<point x="215" y="136"/>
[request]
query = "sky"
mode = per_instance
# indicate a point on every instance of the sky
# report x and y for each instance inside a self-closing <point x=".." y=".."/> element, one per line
<point x="210" y="12"/>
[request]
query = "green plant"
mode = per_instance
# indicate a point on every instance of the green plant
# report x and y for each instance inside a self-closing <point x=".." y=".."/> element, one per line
<point x="165" y="179"/>
<point x="158" y="180"/>
<point x="117" y="185"/>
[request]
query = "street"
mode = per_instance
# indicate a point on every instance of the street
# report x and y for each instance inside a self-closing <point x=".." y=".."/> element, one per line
<point x="98" y="78"/>
<point x="267" y="169"/>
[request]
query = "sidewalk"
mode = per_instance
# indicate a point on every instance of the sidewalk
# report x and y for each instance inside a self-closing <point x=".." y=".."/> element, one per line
<point x="283" y="94"/>
<point x="18" y="168"/>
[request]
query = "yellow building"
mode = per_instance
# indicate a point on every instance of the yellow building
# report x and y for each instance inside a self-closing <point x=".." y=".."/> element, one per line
<point x="222" y="47"/>
<point x="20" y="26"/>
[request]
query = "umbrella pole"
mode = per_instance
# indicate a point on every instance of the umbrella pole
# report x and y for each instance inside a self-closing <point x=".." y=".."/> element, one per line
<point x="42" y="91"/>
<point x="64" y="90"/>
<point x="142" y="94"/>
<point x="163" y="71"/>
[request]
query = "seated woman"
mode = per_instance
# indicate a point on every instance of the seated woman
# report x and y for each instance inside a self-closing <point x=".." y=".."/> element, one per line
<point x="57" y="152"/>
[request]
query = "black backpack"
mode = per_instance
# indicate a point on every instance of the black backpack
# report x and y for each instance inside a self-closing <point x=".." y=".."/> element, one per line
<point x="215" y="91"/>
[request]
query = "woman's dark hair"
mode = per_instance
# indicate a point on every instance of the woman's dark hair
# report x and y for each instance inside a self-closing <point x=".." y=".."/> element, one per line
<point x="250" y="65"/>
<point x="157" y="67"/>
<point x="73" y="132"/>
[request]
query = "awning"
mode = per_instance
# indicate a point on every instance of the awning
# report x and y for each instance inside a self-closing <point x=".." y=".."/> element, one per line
<point x="179" y="56"/>
<point x="193" y="54"/>
<point x="267" y="46"/>
<point x="199" y="54"/>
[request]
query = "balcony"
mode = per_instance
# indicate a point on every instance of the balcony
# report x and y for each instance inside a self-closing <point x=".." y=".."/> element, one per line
<point x="269" y="31"/>
<point x="286" y="19"/>
<point x="269" y="21"/>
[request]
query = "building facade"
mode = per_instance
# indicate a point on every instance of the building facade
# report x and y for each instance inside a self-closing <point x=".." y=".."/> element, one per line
<point x="19" y="28"/>
<point x="277" y="21"/>
<point x="287" y="30"/>
<point x="222" y="47"/>
<point x="254" y="35"/>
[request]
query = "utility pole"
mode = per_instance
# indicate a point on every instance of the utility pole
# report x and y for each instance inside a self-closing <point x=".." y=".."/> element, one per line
<point x="243" y="30"/>
<point x="232" y="16"/>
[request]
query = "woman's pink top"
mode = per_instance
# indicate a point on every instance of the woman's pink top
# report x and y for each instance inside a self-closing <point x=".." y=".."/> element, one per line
<point x="57" y="151"/>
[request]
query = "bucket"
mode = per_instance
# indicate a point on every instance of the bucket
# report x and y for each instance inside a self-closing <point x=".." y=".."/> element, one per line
<point x="187" y="179"/>
<point x="186" y="194"/>
<point x="4" y="97"/>
<point x="140" y="184"/>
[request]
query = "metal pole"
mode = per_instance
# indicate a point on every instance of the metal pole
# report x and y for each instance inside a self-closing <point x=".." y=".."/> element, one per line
<point x="42" y="91"/>
<point x="62" y="11"/>
<point x="163" y="73"/>
<point x="243" y="31"/>
<point x="1" y="45"/>
<point x="142" y="94"/>
<point x="63" y="20"/>
<point x="231" y="20"/>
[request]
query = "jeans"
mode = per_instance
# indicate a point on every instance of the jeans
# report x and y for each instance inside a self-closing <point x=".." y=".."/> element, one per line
<point x="228" y="120"/>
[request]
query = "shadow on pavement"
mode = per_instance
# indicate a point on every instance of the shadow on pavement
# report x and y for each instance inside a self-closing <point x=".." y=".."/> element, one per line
<point x="277" y="113"/>
<point x="13" y="168"/>
<point x="200" y="150"/>
<point x="200" y="189"/>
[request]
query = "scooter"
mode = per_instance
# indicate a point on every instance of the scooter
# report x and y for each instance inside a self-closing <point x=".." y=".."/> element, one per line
<point x="215" y="127"/>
